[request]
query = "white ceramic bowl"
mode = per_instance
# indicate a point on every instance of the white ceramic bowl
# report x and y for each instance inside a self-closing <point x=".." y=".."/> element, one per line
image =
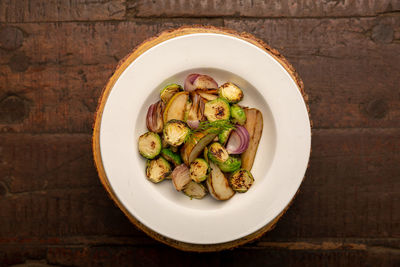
<point x="282" y="156"/>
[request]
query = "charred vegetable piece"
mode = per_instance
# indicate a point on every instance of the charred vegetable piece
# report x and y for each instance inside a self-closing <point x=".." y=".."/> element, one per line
<point x="205" y="154"/>
<point x="157" y="169"/>
<point x="168" y="92"/>
<point x="176" y="106"/>
<point x="217" y="153"/>
<point x="172" y="157"/>
<point x="149" y="145"/>
<point x="198" y="81"/>
<point x="207" y="96"/>
<point x="238" y="141"/>
<point x="224" y="136"/>
<point x="238" y="115"/>
<point x="241" y="180"/>
<point x="230" y="92"/>
<point x="198" y="170"/>
<point x="175" y="132"/>
<point x="218" y="185"/>
<point x="154" y="117"/>
<point x="254" y="126"/>
<point x="195" y="190"/>
<point x="217" y="109"/>
<point x="195" y="145"/>
<point x="231" y="164"/>
<point x="180" y="177"/>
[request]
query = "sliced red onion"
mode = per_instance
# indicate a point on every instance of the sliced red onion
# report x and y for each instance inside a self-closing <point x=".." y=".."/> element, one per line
<point x="189" y="86"/>
<point x="180" y="177"/>
<point x="154" y="120"/>
<point x="193" y="123"/>
<point x="238" y="141"/>
<point x="149" y="117"/>
<point x="197" y="81"/>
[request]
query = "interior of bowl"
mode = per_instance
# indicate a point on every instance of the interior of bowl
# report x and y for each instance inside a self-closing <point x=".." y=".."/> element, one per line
<point x="265" y="153"/>
<point x="282" y="156"/>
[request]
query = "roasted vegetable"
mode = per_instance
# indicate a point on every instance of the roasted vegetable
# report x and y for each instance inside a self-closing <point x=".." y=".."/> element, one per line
<point x="232" y="164"/>
<point x="172" y="157"/>
<point x="198" y="81"/>
<point x="205" y="154"/>
<point x="195" y="190"/>
<point x="180" y="177"/>
<point x="195" y="145"/>
<point x="230" y="92"/>
<point x="241" y="180"/>
<point x="206" y="95"/>
<point x="217" y="153"/>
<point x="224" y="135"/>
<point x="176" y="106"/>
<point x="254" y="126"/>
<point x="238" y="141"/>
<point x="218" y="185"/>
<point x="217" y="109"/>
<point x="238" y="115"/>
<point x="175" y="132"/>
<point x="157" y="169"/>
<point x="198" y="170"/>
<point x="149" y="145"/>
<point x="154" y="117"/>
<point x="168" y="92"/>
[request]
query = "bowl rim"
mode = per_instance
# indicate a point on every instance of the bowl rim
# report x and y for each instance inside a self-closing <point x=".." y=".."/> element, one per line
<point x="121" y="66"/>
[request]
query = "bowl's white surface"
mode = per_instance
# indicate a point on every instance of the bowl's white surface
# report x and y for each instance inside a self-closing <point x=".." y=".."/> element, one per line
<point x="282" y="156"/>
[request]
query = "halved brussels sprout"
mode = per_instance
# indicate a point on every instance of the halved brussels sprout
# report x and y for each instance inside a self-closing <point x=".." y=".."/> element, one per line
<point x="231" y="164"/>
<point x="168" y="91"/>
<point x="238" y="115"/>
<point x="157" y="169"/>
<point x="175" y="132"/>
<point x="230" y="92"/>
<point x="224" y="135"/>
<point x="217" y="109"/>
<point x="198" y="170"/>
<point x="149" y="145"/>
<point x="217" y="153"/>
<point x="241" y="180"/>
<point x="195" y="190"/>
<point x="169" y="155"/>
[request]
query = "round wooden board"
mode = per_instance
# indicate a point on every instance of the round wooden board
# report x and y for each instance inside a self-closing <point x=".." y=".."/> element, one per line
<point x="123" y="64"/>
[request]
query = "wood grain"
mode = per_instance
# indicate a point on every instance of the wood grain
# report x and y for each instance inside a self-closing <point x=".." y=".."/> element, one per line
<point x="251" y="8"/>
<point x="60" y="10"/>
<point x="55" y="56"/>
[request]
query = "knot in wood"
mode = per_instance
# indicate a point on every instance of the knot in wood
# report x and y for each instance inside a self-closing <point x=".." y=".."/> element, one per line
<point x="13" y="109"/>
<point x="11" y="38"/>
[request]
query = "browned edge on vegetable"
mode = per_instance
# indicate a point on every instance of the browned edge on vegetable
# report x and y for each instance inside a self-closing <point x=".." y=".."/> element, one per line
<point x="122" y="65"/>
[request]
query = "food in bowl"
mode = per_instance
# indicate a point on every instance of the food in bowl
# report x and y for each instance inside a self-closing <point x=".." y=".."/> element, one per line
<point x="201" y="138"/>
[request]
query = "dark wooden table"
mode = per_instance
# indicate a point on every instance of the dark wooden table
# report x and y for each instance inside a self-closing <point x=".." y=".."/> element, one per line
<point x="55" y="57"/>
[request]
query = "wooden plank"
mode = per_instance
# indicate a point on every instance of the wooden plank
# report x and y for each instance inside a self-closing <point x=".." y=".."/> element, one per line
<point x="250" y="8"/>
<point x="350" y="190"/>
<point x="346" y="66"/>
<point x="351" y="187"/>
<point x="57" y="89"/>
<point x="60" y="10"/>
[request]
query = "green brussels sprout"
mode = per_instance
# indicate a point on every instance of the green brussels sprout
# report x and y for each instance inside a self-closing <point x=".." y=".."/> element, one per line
<point x="230" y="92"/>
<point x="217" y="153"/>
<point x="149" y="145"/>
<point x="232" y="164"/>
<point x="168" y="92"/>
<point x="158" y="169"/>
<point x="169" y="155"/>
<point x="241" y="180"/>
<point x="175" y="132"/>
<point x="238" y="115"/>
<point x="217" y="109"/>
<point x="198" y="170"/>
<point x="195" y="190"/>
<point x="224" y="135"/>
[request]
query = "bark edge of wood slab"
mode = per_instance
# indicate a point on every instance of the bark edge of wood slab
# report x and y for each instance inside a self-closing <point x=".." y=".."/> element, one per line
<point x="122" y="65"/>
